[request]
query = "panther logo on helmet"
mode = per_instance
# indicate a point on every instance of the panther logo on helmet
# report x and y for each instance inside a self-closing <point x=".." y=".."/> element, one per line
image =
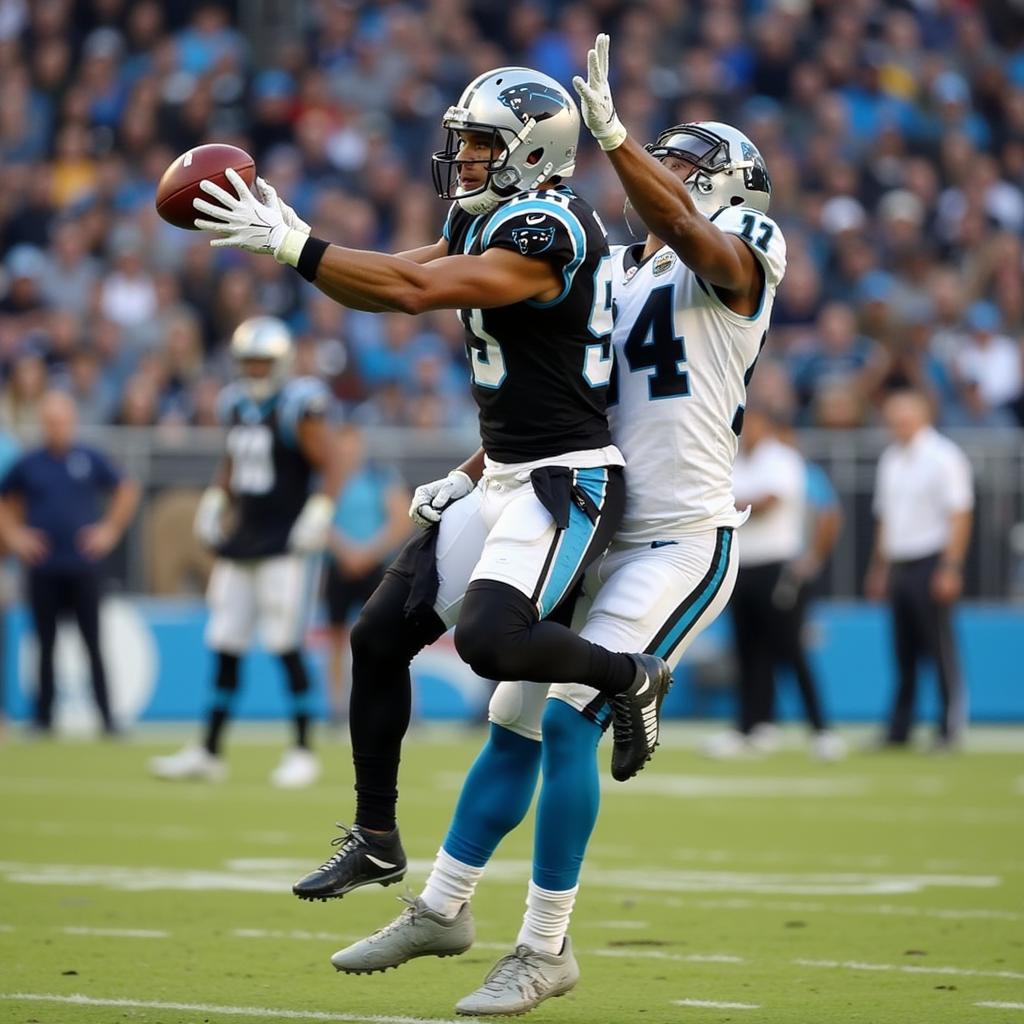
<point x="532" y="101"/>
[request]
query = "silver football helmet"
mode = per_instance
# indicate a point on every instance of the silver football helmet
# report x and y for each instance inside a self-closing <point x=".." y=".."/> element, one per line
<point x="728" y="169"/>
<point x="534" y="127"/>
<point x="268" y="339"/>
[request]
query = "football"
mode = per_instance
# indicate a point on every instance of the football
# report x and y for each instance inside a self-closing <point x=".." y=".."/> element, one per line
<point x="180" y="182"/>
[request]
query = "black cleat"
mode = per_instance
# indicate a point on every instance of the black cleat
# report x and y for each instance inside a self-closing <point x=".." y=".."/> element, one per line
<point x="636" y="716"/>
<point x="362" y="858"/>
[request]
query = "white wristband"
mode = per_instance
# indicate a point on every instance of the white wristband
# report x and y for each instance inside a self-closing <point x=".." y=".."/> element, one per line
<point x="291" y="247"/>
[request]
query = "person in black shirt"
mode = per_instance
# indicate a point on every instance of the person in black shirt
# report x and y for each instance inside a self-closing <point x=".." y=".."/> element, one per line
<point x="522" y="258"/>
<point x="50" y="518"/>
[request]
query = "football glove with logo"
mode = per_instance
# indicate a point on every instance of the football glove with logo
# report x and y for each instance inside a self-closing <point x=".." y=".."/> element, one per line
<point x="245" y="222"/>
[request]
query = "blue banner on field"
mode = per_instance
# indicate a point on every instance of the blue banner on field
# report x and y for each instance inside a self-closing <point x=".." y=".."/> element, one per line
<point x="159" y="668"/>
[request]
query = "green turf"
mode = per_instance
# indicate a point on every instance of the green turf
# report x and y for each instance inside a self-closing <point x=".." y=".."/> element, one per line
<point x="909" y="862"/>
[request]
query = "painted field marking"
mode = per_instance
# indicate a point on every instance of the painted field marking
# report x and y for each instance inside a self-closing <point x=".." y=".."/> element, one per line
<point x="1002" y="1006"/>
<point x="117" y="933"/>
<point x="275" y="875"/>
<point x="657" y="954"/>
<point x="962" y="972"/>
<point x="227" y="1011"/>
<point x="712" y="1004"/>
<point x="635" y="926"/>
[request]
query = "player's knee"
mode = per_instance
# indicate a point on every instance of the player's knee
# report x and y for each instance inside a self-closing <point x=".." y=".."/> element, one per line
<point x="486" y="650"/>
<point x="565" y="731"/>
<point x="493" y="630"/>
<point x="514" y="706"/>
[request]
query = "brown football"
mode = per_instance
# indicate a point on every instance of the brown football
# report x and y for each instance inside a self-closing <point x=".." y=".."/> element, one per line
<point x="180" y="183"/>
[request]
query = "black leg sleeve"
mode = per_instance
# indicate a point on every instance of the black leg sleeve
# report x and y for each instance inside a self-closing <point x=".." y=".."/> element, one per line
<point x="384" y="642"/>
<point x="499" y="636"/>
<point x="225" y="688"/>
<point x="299" y="689"/>
<point x="86" y="598"/>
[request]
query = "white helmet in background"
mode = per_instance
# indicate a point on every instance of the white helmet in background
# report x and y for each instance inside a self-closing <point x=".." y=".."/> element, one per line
<point x="268" y="339"/>
<point x="728" y="171"/>
<point x="536" y="122"/>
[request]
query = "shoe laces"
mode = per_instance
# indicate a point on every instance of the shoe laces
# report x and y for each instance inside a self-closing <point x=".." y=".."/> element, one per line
<point x="346" y="843"/>
<point x="409" y="915"/>
<point x="623" y="718"/>
<point x="520" y="967"/>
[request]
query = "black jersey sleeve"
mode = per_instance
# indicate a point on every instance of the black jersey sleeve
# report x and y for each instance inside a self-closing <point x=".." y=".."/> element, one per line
<point x="543" y="228"/>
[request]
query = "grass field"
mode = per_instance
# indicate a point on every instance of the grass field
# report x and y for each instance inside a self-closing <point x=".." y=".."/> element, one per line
<point x="888" y="889"/>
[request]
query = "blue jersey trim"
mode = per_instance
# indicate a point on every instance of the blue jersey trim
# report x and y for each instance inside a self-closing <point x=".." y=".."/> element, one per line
<point x="571" y="223"/>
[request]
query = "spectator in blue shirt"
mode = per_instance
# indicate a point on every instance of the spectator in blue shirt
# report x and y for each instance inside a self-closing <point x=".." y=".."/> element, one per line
<point x="370" y="522"/>
<point x="50" y="518"/>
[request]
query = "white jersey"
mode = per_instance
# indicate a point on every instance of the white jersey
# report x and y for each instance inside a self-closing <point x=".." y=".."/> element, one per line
<point x="683" y="362"/>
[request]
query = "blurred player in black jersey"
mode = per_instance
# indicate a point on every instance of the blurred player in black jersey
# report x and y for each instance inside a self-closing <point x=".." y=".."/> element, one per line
<point x="277" y="443"/>
<point x="540" y="501"/>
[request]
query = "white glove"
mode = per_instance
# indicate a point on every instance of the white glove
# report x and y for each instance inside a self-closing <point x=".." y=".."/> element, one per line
<point x="207" y="524"/>
<point x="596" y="98"/>
<point x="430" y="500"/>
<point x="268" y="194"/>
<point x="309" y="532"/>
<point x="246" y="223"/>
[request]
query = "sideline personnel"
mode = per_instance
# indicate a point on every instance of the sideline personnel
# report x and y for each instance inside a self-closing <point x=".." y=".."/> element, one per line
<point x="923" y="506"/>
<point x="49" y="517"/>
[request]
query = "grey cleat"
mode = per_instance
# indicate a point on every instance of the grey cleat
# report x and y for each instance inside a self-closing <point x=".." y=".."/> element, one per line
<point x="417" y="931"/>
<point x="521" y="981"/>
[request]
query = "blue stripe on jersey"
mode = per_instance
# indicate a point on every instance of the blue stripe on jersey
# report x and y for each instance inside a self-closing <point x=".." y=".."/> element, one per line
<point x="294" y="399"/>
<point x="575" y="540"/>
<point x="697" y="608"/>
<point x="572" y="225"/>
<point x="446" y="231"/>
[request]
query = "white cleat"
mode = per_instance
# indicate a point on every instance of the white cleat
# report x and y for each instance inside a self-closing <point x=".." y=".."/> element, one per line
<point x="726" y="746"/>
<point x="521" y="981"/>
<point x="298" y="768"/>
<point x="827" y="746"/>
<point x="764" y="738"/>
<point x="189" y="763"/>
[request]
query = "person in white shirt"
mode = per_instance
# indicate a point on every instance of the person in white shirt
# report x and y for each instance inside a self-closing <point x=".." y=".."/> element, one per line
<point x="923" y="506"/>
<point x="769" y="602"/>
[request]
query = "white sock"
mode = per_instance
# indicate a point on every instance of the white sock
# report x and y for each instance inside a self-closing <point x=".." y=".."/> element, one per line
<point x="450" y="884"/>
<point x="547" y="918"/>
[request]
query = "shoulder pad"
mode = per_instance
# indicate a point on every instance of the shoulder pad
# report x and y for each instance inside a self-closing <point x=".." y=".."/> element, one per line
<point x="761" y="233"/>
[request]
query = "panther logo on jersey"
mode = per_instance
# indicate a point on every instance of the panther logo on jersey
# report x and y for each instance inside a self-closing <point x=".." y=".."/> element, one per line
<point x="533" y="241"/>
<point x="532" y="100"/>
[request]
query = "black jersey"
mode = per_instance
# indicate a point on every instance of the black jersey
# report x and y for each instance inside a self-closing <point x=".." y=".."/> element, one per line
<point x="540" y="369"/>
<point x="270" y="477"/>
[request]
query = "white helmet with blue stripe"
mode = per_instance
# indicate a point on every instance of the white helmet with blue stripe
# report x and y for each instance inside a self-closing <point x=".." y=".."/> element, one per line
<point x="266" y="339"/>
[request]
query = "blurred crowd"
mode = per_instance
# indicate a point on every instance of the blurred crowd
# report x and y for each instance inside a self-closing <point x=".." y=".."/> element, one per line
<point x="893" y="132"/>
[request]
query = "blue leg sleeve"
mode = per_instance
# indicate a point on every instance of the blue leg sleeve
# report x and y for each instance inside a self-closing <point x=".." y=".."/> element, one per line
<point x="495" y="796"/>
<point x="570" y="796"/>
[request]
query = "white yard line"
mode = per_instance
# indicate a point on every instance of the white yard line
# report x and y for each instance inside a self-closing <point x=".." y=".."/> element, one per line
<point x="857" y="965"/>
<point x="117" y="933"/>
<point x="1002" y="1006"/>
<point x="227" y="1011"/>
<point x="713" y="1004"/>
<point x="657" y="954"/>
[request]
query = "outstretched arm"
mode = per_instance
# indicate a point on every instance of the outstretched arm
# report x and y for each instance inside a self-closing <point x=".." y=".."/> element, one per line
<point x="660" y="197"/>
<point x="371" y="280"/>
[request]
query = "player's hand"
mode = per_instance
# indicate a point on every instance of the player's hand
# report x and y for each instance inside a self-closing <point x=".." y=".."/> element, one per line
<point x="430" y="500"/>
<point x="310" y="531"/>
<point x="947" y="584"/>
<point x="244" y="222"/>
<point x="876" y="583"/>
<point x="97" y="540"/>
<point x="269" y="197"/>
<point x="207" y="524"/>
<point x="596" y="98"/>
<point x="29" y="544"/>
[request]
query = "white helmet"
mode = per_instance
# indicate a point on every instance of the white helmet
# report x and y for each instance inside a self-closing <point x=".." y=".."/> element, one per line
<point x="265" y="338"/>
<point x="536" y="122"/>
<point x="729" y="171"/>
